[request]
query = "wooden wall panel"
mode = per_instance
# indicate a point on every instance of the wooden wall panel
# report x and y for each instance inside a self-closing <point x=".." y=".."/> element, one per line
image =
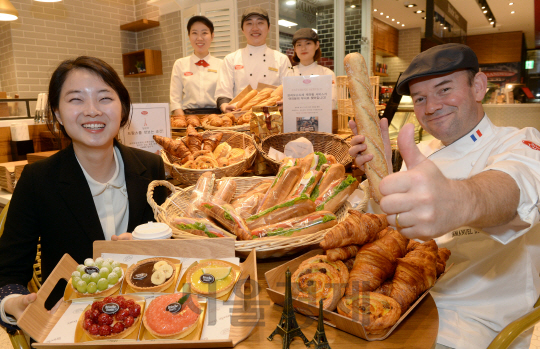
<point x="497" y="48"/>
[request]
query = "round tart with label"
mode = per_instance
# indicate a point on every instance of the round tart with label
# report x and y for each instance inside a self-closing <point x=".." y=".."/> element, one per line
<point x="150" y="275"/>
<point x="172" y="316"/>
<point x="211" y="278"/>
<point x="111" y="318"/>
<point x="97" y="278"/>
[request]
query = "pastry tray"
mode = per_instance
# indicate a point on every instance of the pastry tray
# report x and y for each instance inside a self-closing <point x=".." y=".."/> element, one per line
<point x="37" y="322"/>
<point x="275" y="279"/>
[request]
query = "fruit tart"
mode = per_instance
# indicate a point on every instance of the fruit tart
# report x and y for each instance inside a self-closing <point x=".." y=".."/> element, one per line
<point x="151" y="275"/>
<point x="111" y="318"/>
<point x="97" y="278"/>
<point x="172" y="316"/>
<point x="211" y="278"/>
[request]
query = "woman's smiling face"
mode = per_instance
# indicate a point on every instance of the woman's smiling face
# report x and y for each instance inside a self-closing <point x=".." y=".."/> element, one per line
<point x="89" y="109"/>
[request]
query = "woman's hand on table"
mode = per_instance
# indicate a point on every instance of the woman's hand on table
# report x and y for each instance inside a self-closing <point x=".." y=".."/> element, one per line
<point x="16" y="306"/>
<point x="124" y="236"/>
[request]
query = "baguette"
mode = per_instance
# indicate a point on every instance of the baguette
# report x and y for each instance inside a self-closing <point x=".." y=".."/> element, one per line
<point x="289" y="209"/>
<point x="248" y="205"/>
<point x="367" y="121"/>
<point x="261" y="187"/>
<point x="201" y="192"/>
<point x="194" y="226"/>
<point x="271" y="101"/>
<point x="307" y="183"/>
<point x="261" y="96"/>
<point x="247" y="98"/>
<point x="278" y="92"/>
<point x="304" y="225"/>
<point x="225" y="190"/>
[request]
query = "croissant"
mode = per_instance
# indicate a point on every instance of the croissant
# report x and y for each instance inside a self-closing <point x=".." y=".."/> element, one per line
<point x="193" y="120"/>
<point x="216" y="121"/>
<point x="211" y="140"/>
<point x="415" y="273"/>
<point x="227" y="122"/>
<point x="376" y="312"/>
<point x="179" y="121"/>
<point x="349" y="264"/>
<point x="342" y="253"/>
<point x="385" y="288"/>
<point x="193" y="139"/>
<point x="174" y="147"/>
<point x="376" y="262"/>
<point x="314" y="281"/>
<point x="356" y="229"/>
<point x="442" y="256"/>
<point x="412" y="245"/>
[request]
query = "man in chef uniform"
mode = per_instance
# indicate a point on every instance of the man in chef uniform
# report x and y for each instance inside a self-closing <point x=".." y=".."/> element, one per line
<point x="474" y="189"/>
<point x="253" y="64"/>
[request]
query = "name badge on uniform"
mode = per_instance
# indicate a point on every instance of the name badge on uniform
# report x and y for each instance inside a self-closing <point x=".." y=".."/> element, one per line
<point x="238" y="67"/>
<point x="212" y="70"/>
<point x="273" y="69"/>
<point x="188" y="73"/>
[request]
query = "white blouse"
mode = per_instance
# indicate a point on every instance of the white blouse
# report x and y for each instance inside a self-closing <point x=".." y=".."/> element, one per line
<point x="111" y="199"/>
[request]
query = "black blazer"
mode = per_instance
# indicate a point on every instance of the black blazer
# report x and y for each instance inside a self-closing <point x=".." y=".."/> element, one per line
<point x="52" y="200"/>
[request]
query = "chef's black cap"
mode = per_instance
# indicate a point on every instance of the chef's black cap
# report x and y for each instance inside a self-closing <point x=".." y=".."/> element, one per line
<point x="254" y="10"/>
<point x="305" y="33"/>
<point x="437" y="60"/>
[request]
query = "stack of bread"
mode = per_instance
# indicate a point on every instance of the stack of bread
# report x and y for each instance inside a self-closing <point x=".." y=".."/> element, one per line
<point x="182" y="121"/>
<point x="201" y="151"/>
<point x="227" y="120"/>
<point x="385" y="272"/>
<point x="267" y="97"/>
<point x="302" y="199"/>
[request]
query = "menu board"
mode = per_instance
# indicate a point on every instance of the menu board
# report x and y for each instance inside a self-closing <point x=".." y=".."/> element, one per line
<point x="147" y="120"/>
<point x="307" y="103"/>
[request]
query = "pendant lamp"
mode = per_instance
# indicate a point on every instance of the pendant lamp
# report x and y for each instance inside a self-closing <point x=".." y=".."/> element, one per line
<point x="8" y="12"/>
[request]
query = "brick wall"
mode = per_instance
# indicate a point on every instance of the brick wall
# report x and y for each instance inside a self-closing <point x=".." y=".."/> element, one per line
<point x="408" y="48"/>
<point x="285" y="44"/>
<point x="7" y="62"/>
<point x="353" y="27"/>
<point x="325" y="30"/>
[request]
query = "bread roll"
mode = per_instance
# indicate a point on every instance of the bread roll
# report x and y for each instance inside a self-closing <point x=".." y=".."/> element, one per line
<point x="367" y="120"/>
<point x="222" y="150"/>
<point x="247" y="98"/>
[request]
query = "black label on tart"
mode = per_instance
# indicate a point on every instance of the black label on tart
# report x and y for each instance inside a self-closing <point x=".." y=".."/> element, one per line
<point x="90" y="270"/>
<point x="140" y="276"/>
<point x="110" y="308"/>
<point x="174" y="307"/>
<point x="208" y="278"/>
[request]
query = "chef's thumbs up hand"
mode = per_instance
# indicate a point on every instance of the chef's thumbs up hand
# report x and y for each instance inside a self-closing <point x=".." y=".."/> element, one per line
<point x="420" y="201"/>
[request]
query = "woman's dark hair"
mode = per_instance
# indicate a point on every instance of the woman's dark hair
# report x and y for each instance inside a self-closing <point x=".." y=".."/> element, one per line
<point x="96" y="66"/>
<point x="316" y="57"/>
<point x="201" y="19"/>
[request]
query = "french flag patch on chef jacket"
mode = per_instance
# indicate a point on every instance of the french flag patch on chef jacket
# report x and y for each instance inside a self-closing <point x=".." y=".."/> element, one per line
<point x="475" y="134"/>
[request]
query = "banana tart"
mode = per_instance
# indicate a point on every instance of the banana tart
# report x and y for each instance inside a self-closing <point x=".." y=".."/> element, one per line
<point x="211" y="278"/>
<point x="150" y="275"/>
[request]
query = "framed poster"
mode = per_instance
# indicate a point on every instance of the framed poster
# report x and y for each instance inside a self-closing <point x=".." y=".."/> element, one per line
<point x="147" y="120"/>
<point x="307" y="103"/>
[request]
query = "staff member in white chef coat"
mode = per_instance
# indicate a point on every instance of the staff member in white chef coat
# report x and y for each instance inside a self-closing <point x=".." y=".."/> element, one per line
<point x="475" y="189"/>
<point x="253" y="64"/>
<point x="307" y="52"/>
<point x="194" y="78"/>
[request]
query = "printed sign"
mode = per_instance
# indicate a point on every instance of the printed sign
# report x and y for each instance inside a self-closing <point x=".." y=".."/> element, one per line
<point x="147" y="120"/>
<point x="307" y="103"/>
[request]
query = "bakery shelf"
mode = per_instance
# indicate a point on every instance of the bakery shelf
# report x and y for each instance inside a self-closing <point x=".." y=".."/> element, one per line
<point x="380" y="74"/>
<point x="141" y="24"/>
<point x="151" y="59"/>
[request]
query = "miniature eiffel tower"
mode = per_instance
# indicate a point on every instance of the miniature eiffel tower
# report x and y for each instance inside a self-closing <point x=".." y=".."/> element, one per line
<point x="320" y="341"/>
<point x="288" y="327"/>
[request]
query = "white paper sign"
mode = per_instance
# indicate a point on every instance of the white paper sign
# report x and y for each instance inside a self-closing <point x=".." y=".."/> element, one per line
<point x="307" y="103"/>
<point x="146" y="120"/>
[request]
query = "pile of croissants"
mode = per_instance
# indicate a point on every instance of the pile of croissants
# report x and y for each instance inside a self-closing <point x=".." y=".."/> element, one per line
<point x="183" y="121"/>
<point x="227" y="120"/>
<point x="375" y="273"/>
<point x="201" y="151"/>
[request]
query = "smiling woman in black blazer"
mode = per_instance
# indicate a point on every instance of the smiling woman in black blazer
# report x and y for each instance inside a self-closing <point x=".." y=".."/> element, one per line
<point x="56" y="198"/>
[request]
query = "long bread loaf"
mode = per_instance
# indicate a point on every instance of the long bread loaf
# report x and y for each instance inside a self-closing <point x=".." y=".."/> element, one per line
<point x="367" y="120"/>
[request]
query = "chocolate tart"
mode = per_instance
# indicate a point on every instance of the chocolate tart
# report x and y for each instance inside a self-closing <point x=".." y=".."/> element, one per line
<point x="217" y="288"/>
<point x="145" y="284"/>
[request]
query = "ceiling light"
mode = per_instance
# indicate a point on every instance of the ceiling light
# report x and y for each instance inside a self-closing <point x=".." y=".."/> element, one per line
<point x="397" y="22"/>
<point x="353" y="6"/>
<point x="403" y="25"/>
<point x="445" y="28"/>
<point x="423" y="17"/>
<point x="485" y="11"/>
<point x="511" y="3"/>
<point x="410" y="5"/>
<point x="419" y="11"/>
<point x="513" y="12"/>
<point x="509" y="86"/>
<point x="290" y="3"/>
<point x="393" y="19"/>
<point x="8" y="12"/>
<point x="374" y="10"/>
<point x="490" y="18"/>
<point x="387" y="16"/>
<point x="285" y="23"/>
<point x="382" y="13"/>
<point x="483" y="7"/>
<point x="491" y="22"/>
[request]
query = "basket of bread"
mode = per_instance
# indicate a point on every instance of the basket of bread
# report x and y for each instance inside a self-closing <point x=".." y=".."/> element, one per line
<point x="225" y="154"/>
<point x="277" y="216"/>
<point x="236" y="121"/>
<point x="327" y="143"/>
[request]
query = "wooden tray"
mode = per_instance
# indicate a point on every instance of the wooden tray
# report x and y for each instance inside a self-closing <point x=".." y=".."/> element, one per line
<point x="38" y="322"/>
<point x="276" y="291"/>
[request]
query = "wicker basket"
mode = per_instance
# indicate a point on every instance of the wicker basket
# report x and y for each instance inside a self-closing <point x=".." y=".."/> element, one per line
<point x="326" y="143"/>
<point x="270" y="247"/>
<point x="238" y="128"/>
<point x="235" y="140"/>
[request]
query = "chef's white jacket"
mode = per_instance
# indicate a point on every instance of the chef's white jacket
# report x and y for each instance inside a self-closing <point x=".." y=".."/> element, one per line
<point x="316" y="69"/>
<point x="193" y="86"/>
<point x="249" y="66"/>
<point x="495" y="276"/>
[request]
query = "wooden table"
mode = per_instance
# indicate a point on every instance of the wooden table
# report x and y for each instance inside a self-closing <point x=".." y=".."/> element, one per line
<point x="418" y="330"/>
